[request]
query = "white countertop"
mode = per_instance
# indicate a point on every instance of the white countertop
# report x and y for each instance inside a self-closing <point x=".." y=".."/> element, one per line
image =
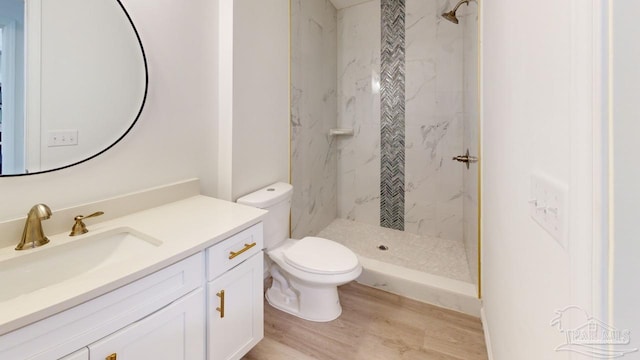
<point x="184" y="227"/>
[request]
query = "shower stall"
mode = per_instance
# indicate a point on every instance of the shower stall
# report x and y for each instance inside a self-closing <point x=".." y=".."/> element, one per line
<point x="384" y="96"/>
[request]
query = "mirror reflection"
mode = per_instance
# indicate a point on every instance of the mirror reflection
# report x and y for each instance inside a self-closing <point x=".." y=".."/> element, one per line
<point x="73" y="81"/>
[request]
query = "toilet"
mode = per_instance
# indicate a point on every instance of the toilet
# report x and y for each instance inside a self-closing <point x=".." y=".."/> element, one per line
<point x="306" y="273"/>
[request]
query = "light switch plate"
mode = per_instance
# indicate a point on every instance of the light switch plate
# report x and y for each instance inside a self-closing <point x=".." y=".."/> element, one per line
<point x="62" y="138"/>
<point x="548" y="206"/>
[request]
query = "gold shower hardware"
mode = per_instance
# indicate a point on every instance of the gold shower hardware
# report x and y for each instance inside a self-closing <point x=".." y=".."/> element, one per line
<point x="233" y="254"/>
<point x="79" y="227"/>
<point x="466" y="158"/>
<point x="221" y="307"/>
<point x="113" y="356"/>
<point x="451" y="15"/>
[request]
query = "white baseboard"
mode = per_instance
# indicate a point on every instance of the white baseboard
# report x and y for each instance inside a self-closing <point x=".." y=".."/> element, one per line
<point x="487" y="337"/>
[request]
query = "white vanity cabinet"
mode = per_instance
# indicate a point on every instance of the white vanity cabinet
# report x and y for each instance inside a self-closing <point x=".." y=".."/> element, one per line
<point x="171" y="314"/>
<point x="175" y="332"/>
<point x="164" y="303"/>
<point x="234" y="295"/>
<point x="78" y="355"/>
<point x="145" y="310"/>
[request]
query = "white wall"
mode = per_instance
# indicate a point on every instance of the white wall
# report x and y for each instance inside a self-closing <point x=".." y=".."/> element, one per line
<point x="175" y="137"/>
<point x="626" y="175"/>
<point x="83" y="85"/>
<point x="538" y="117"/>
<point x="254" y="121"/>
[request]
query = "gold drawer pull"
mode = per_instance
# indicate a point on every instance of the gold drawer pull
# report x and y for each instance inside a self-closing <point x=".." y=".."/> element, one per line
<point x="221" y="307"/>
<point x="233" y="254"/>
<point x="113" y="356"/>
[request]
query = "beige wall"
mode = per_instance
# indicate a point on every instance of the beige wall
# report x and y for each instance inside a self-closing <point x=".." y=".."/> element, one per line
<point x="254" y="122"/>
<point x="83" y="84"/>
<point x="538" y="117"/>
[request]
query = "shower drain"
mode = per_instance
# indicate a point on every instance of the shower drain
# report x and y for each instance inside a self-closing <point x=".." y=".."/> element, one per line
<point x="383" y="247"/>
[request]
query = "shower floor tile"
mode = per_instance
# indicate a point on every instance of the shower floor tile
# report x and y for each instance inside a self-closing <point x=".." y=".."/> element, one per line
<point x="427" y="254"/>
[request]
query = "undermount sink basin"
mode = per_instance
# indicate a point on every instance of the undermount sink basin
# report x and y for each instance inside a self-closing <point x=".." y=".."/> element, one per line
<point x="52" y="265"/>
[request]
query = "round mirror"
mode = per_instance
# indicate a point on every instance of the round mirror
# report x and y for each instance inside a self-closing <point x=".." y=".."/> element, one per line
<point x="73" y="78"/>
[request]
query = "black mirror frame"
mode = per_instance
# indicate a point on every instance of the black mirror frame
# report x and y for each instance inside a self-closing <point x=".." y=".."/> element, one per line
<point x="144" y="100"/>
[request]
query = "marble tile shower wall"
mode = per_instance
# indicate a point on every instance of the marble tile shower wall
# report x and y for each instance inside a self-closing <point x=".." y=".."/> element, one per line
<point x="434" y="129"/>
<point x="359" y="109"/>
<point x="469" y="20"/>
<point x="313" y="113"/>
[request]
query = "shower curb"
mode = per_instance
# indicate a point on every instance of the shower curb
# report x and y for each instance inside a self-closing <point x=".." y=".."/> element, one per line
<point x="431" y="289"/>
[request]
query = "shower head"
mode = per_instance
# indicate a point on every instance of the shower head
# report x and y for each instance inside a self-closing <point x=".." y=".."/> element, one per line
<point x="451" y="15"/>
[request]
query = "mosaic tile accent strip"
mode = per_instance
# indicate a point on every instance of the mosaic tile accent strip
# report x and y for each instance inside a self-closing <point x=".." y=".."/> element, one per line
<point x="392" y="124"/>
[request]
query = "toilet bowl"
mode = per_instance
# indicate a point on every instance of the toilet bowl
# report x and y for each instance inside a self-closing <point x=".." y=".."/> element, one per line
<point x="306" y="273"/>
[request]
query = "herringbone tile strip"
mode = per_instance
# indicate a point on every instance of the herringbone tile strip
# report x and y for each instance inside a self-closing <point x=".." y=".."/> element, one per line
<point x="392" y="127"/>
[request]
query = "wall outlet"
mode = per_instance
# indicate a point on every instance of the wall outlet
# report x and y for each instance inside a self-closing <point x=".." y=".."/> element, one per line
<point x="548" y="206"/>
<point x="62" y="138"/>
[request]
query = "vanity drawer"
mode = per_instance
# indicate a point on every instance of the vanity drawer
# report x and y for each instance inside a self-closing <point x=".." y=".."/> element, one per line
<point x="234" y="250"/>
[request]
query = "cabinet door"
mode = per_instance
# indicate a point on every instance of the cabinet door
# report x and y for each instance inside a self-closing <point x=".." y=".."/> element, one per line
<point x="82" y="354"/>
<point x="176" y="332"/>
<point x="235" y="310"/>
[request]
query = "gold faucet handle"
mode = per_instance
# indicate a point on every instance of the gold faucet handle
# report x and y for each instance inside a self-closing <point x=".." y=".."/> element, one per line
<point x="79" y="227"/>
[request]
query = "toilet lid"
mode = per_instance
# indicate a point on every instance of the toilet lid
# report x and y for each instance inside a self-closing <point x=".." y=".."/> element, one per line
<point x="321" y="256"/>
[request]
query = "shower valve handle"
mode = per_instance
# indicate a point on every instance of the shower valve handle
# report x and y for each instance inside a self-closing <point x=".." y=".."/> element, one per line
<point x="466" y="158"/>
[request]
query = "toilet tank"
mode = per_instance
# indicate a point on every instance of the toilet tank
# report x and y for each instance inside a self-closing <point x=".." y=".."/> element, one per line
<point x="275" y="198"/>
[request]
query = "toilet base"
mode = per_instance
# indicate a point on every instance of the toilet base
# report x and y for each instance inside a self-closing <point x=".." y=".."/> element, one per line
<point x="311" y="302"/>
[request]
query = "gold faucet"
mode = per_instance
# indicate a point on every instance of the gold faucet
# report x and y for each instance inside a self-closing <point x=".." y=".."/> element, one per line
<point x="79" y="227"/>
<point x="33" y="235"/>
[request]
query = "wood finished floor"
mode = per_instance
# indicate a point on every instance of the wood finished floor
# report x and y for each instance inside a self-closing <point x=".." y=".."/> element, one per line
<point x="374" y="325"/>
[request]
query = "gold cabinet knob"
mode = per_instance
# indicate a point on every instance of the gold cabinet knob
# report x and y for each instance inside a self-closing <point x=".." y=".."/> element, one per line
<point x="113" y="356"/>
